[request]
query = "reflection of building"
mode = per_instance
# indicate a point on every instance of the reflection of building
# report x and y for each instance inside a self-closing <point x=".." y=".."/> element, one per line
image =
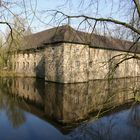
<point x="67" y="103"/>
<point x="68" y="56"/>
<point x="26" y="89"/>
<point x="73" y="102"/>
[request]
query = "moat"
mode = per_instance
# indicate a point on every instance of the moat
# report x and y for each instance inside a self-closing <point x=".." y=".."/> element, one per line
<point x="100" y="110"/>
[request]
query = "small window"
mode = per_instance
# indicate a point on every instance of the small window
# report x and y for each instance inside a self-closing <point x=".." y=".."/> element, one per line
<point x="15" y="65"/>
<point x="23" y="65"/>
<point x="28" y="65"/>
<point x="35" y="55"/>
<point x="17" y="84"/>
<point x="23" y="85"/>
<point x="28" y="55"/>
<point x="34" y="89"/>
<point x="28" y="87"/>
<point x="90" y="63"/>
<point x="77" y="63"/>
<point x="34" y="64"/>
<point x="76" y="50"/>
<point x="14" y="83"/>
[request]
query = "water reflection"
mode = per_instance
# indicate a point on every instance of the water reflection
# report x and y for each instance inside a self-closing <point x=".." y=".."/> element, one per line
<point x="65" y="103"/>
<point x="13" y="113"/>
<point x="74" y="102"/>
<point x="118" y="126"/>
<point x="20" y="103"/>
<point x="68" y="104"/>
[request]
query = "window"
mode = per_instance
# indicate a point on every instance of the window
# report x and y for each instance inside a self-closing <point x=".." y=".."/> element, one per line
<point x="14" y="83"/>
<point x="27" y="64"/>
<point x="77" y="63"/>
<point x="28" y="87"/>
<point x="90" y="63"/>
<point x="34" y="64"/>
<point x="23" y="85"/>
<point x="34" y="89"/>
<point x="35" y="55"/>
<point x="17" y="65"/>
<point x="17" y="84"/>
<point x="76" y="50"/>
<point x="23" y="65"/>
<point x="28" y="55"/>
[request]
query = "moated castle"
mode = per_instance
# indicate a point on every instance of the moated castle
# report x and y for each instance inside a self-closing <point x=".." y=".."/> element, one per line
<point x="65" y="55"/>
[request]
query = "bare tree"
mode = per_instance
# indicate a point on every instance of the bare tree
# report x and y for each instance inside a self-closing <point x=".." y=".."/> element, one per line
<point x="121" y="18"/>
<point x="16" y="26"/>
<point x="21" y="9"/>
<point x="129" y="11"/>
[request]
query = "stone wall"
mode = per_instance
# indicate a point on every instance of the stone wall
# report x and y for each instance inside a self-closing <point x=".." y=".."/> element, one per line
<point x="66" y="63"/>
<point x="73" y="63"/>
<point x="76" y="61"/>
<point x="30" y="64"/>
<point x="102" y="64"/>
<point x="54" y="56"/>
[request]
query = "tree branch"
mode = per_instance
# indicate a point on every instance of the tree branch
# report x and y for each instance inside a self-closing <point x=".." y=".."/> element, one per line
<point x="126" y="25"/>
<point x="137" y="4"/>
<point x="6" y="23"/>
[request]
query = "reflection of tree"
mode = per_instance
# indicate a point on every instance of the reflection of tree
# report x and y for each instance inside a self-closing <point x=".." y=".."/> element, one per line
<point x="99" y="131"/>
<point x="10" y="104"/>
<point x="124" y="125"/>
<point x="14" y="114"/>
<point x="134" y="116"/>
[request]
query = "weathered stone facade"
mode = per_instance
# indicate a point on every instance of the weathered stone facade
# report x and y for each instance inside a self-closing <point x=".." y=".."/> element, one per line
<point x="64" y="58"/>
<point x="101" y="65"/>
<point x="71" y="63"/>
<point x="29" y="64"/>
<point x="67" y="63"/>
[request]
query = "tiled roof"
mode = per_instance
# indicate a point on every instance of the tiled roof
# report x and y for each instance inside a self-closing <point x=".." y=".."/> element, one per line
<point x="69" y="35"/>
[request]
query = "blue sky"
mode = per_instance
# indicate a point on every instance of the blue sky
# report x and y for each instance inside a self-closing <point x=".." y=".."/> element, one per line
<point x="75" y="7"/>
<point x="41" y="19"/>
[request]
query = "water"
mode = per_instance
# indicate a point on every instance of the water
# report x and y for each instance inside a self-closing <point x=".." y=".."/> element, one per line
<point x="100" y="110"/>
<point x="124" y="125"/>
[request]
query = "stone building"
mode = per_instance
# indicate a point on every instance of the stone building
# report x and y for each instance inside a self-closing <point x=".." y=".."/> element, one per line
<point x="65" y="55"/>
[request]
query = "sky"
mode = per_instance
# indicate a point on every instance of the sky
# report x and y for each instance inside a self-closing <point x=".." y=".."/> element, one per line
<point x="38" y="16"/>
<point x="76" y="7"/>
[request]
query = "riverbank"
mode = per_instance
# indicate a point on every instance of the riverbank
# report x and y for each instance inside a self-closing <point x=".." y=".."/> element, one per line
<point x="8" y="73"/>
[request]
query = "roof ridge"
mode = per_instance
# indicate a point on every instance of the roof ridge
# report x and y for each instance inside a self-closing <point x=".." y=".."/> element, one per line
<point x="53" y="28"/>
<point x="68" y="34"/>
